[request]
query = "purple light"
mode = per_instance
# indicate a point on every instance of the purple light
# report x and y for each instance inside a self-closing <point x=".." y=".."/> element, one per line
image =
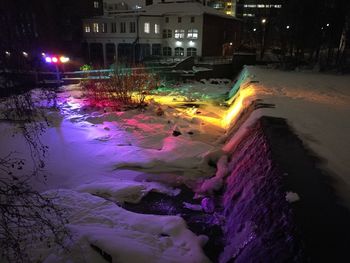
<point x="48" y="60"/>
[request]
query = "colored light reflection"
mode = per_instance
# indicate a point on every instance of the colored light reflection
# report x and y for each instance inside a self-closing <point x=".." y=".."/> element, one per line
<point x="236" y="107"/>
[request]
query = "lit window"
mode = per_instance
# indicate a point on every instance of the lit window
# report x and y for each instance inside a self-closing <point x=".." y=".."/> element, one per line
<point x="192" y="33"/>
<point x="156" y="29"/>
<point x="179" y="52"/>
<point x="146" y="27"/>
<point x="87" y="29"/>
<point x="179" y="33"/>
<point x="104" y="27"/>
<point x="96" y="4"/>
<point x="167" y="51"/>
<point x="95" y="27"/>
<point x="132" y="27"/>
<point x="122" y="27"/>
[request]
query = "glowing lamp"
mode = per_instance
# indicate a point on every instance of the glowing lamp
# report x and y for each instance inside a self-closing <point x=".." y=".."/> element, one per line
<point x="54" y="60"/>
<point x="48" y="60"/>
<point x="254" y="29"/>
<point x="263" y="21"/>
<point x="25" y="54"/>
<point x="178" y="43"/>
<point x="7" y="53"/>
<point x="64" y="59"/>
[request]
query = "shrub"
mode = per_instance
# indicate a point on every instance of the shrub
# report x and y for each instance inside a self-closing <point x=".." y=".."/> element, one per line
<point x="122" y="90"/>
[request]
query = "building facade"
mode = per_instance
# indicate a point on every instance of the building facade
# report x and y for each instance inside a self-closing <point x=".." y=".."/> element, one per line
<point x="165" y="29"/>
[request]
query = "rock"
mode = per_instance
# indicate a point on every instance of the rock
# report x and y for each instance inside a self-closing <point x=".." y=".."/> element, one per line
<point x="208" y="205"/>
<point x="292" y="197"/>
<point x="176" y="133"/>
<point x="159" y="111"/>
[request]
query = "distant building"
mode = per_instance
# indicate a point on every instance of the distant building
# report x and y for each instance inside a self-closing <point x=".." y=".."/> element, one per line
<point x="226" y="6"/>
<point x="165" y="29"/>
<point x="254" y="10"/>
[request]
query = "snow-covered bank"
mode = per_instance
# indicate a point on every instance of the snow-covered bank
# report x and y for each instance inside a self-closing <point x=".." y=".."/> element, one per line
<point x="98" y="157"/>
<point x="279" y="201"/>
<point x="99" y="226"/>
<point x="317" y="107"/>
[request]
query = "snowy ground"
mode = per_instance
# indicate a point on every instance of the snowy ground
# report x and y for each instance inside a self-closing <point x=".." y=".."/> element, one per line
<point x="317" y="107"/>
<point x="98" y="157"/>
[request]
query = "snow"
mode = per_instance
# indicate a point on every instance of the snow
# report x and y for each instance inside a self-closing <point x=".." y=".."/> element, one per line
<point x="99" y="158"/>
<point x="125" y="236"/>
<point x="317" y="106"/>
<point x="292" y="197"/>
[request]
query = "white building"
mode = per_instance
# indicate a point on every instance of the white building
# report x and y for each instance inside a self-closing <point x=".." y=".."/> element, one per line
<point x="160" y="29"/>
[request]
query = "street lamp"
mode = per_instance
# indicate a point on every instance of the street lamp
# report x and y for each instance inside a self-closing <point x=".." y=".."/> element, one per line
<point x="263" y="22"/>
<point x="287" y="27"/>
<point x="56" y="60"/>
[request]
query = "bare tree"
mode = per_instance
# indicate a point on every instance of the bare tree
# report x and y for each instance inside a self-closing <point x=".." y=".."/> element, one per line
<point x="26" y="216"/>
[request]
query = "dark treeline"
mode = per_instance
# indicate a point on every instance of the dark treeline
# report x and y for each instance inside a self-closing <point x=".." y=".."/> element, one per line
<point x="306" y="32"/>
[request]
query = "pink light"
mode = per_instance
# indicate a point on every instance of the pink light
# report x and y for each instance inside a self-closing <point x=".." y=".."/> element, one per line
<point x="54" y="60"/>
<point x="48" y="60"/>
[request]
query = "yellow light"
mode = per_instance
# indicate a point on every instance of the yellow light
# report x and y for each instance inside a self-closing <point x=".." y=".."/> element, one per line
<point x="236" y="107"/>
<point x="64" y="59"/>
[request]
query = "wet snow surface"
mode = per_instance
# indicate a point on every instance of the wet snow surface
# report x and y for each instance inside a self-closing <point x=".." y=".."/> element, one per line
<point x="99" y="160"/>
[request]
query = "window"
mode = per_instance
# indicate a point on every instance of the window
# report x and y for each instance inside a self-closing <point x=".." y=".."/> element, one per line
<point x="156" y="29"/>
<point x="179" y="52"/>
<point x="95" y="27"/>
<point x="122" y="27"/>
<point x="132" y="27"/>
<point x="192" y="33"/>
<point x="156" y="50"/>
<point x="114" y="28"/>
<point x="192" y="19"/>
<point x="146" y="27"/>
<point x="179" y="19"/>
<point x="96" y="4"/>
<point x="167" y="51"/>
<point x="191" y="51"/>
<point x="179" y="33"/>
<point x="167" y="20"/>
<point x="87" y="28"/>
<point x="167" y="33"/>
<point x="104" y="27"/>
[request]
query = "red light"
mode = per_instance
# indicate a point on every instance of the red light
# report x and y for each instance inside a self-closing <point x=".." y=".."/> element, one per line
<point x="54" y="60"/>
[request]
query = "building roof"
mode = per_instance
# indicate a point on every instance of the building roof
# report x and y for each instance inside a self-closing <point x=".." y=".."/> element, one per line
<point x="184" y="8"/>
<point x="173" y="8"/>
